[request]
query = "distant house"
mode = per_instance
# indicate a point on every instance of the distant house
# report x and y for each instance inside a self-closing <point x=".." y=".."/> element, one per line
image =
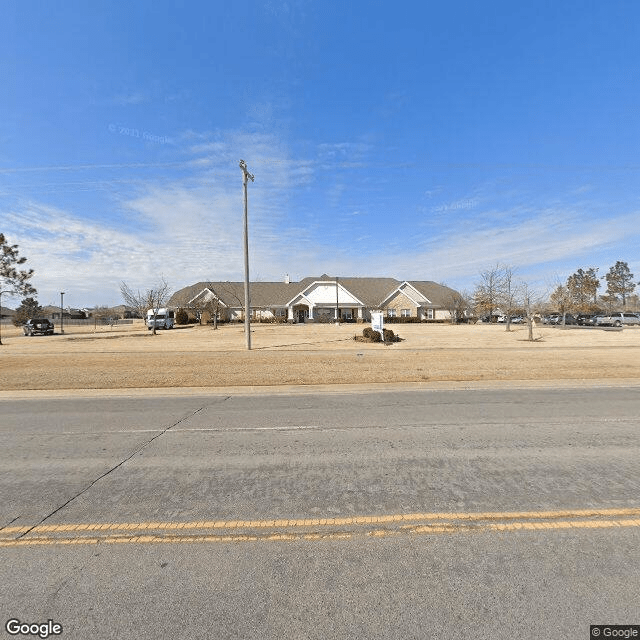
<point x="7" y="313"/>
<point x="53" y="313"/>
<point x="321" y="299"/>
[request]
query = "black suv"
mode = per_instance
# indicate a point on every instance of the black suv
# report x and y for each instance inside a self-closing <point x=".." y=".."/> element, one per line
<point x="38" y="325"/>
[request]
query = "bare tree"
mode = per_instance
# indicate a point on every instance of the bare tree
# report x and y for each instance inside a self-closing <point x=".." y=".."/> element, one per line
<point x="532" y="303"/>
<point x="210" y="304"/>
<point x="207" y="302"/>
<point x="634" y="302"/>
<point x="562" y="300"/>
<point x="508" y="293"/>
<point x="457" y="304"/>
<point x="609" y="301"/>
<point x="151" y="299"/>
<point x="103" y="314"/>
<point x="234" y="292"/>
<point x="488" y="293"/>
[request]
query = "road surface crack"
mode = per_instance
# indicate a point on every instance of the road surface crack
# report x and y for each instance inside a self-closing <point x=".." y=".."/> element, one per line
<point x="106" y="473"/>
<point x="9" y="523"/>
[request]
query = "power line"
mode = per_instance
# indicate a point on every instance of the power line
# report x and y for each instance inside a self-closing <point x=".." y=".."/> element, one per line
<point x="88" y="167"/>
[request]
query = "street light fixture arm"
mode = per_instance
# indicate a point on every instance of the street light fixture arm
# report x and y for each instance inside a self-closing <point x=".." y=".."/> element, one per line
<point x="243" y="166"/>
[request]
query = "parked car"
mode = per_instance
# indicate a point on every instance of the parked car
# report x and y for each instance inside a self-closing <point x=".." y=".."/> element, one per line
<point x="38" y="325"/>
<point x="586" y="319"/>
<point x="557" y="319"/>
<point x="618" y="319"/>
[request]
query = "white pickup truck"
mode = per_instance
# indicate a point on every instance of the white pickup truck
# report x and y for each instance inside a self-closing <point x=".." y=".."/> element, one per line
<point x="618" y="319"/>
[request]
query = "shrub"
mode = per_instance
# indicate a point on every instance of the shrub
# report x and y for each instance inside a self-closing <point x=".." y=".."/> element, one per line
<point x="402" y="319"/>
<point x="182" y="317"/>
<point x="369" y="335"/>
<point x="372" y="335"/>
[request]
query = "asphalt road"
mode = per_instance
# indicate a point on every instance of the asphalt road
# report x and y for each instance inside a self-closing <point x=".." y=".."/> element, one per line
<point x="405" y="514"/>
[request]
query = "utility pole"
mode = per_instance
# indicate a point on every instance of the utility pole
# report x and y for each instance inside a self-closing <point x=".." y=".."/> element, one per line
<point x="61" y="312"/>
<point x="247" y="310"/>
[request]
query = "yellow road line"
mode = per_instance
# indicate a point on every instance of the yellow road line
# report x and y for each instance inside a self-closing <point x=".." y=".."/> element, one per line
<point x="329" y="535"/>
<point x="325" y="528"/>
<point x="530" y="526"/>
<point x="322" y="522"/>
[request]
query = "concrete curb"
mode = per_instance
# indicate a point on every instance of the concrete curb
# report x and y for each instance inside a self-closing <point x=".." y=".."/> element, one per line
<point x="320" y="388"/>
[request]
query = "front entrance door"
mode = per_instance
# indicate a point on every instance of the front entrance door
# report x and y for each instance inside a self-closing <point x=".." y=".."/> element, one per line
<point x="301" y="315"/>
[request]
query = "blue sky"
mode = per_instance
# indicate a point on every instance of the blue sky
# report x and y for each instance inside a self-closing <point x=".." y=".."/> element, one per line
<point x="416" y="140"/>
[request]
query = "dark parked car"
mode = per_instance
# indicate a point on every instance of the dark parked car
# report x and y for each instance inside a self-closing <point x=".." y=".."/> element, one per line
<point x="38" y="325"/>
<point x="586" y="319"/>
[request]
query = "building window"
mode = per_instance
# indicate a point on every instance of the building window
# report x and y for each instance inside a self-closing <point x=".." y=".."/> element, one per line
<point x="405" y="313"/>
<point x="391" y="313"/>
<point x="431" y="314"/>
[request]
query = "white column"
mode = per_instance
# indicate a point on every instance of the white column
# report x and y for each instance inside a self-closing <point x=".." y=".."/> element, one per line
<point x="311" y="307"/>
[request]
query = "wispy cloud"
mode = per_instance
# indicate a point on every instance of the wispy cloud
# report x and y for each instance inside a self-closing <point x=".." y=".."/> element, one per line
<point x="130" y="98"/>
<point x="188" y="226"/>
<point x="186" y="229"/>
<point x="533" y="238"/>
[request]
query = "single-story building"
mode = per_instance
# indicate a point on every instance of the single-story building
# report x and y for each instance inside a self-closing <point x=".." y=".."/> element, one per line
<point x="6" y="313"/>
<point x="321" y="299"/>
<point x="53" y="313"/>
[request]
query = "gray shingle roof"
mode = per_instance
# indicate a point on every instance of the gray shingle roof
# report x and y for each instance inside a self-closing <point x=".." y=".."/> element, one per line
<point x="438" y="294"/>
<point x="263" y="294"/>
<point x="371" y="291"/>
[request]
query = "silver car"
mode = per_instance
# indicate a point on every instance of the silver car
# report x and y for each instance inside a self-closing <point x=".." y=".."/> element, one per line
<point x="618" y="319"/>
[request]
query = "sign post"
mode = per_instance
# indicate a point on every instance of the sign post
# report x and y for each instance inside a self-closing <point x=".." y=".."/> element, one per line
<point x="377" y="323"/>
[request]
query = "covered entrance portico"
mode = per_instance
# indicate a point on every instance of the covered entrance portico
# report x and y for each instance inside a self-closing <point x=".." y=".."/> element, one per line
<point x="322" y="301"/>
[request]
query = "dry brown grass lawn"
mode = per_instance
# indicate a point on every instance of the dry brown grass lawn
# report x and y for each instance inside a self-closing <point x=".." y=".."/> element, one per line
<point x="129" y="357"/>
